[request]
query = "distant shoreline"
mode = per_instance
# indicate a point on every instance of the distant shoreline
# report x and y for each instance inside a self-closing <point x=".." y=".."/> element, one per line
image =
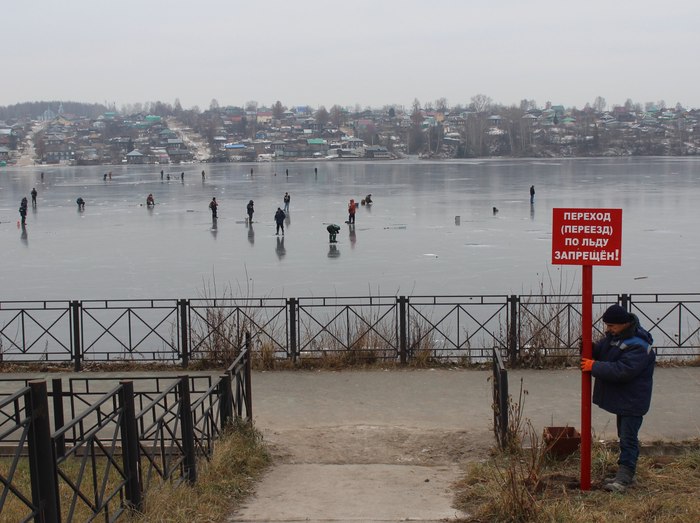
<point x="411" y="158"/>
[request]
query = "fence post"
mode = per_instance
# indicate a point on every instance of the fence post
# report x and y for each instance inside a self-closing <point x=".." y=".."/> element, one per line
<point x="403" y="357"/>
<point x="183" y="306"/>
<point x="501" y="400"/>
<point x="58" y="416"/>
<point x="248" y="380"/>
<point x="225" y="400"/>
<point x="75" y="322"/>
<point x="292" y="306"/>
<point x="513" y="300"/>
<point x="625" y="301"/>
<point x="42" y="461"/>
<point x="130" y="445"/>
<point x="504" y="403"/>
<point x="188" y="448"/>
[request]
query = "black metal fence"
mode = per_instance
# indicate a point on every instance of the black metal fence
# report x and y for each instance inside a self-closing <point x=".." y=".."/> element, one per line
<point x="398" y="328"/>
<point x="120" y="437"/>
<point x="501" y="400"/>
<point x="21" y="420"/>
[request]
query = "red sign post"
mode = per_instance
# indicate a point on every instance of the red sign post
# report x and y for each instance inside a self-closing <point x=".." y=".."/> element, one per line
<point x="586" y="237"/>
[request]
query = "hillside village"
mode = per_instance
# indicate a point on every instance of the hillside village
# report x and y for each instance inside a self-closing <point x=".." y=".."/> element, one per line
<point x="170" y="135"/>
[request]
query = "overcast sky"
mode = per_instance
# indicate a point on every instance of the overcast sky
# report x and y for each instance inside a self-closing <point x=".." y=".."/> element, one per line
<point x="366" y="52"/>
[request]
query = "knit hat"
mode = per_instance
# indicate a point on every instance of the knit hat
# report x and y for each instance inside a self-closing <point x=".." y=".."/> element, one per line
<point x="616" y="315"/>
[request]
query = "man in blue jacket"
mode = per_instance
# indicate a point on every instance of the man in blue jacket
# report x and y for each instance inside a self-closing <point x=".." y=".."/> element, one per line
<point x="623" y="367"/>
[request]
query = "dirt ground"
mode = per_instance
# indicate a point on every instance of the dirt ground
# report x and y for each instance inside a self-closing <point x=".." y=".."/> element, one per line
<point x="371" y="473"/>
<point x="383" y="417"/>
<point x="367" y="444"/>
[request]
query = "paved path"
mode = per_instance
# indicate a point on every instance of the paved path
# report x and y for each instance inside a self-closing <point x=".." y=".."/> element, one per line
<point x="387" y="445"/>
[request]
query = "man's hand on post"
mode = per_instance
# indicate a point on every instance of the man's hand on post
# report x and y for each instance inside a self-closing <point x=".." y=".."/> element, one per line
<point x="587" y="364"/>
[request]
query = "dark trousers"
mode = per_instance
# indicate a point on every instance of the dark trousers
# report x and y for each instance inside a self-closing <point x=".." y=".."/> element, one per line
<point x="627" y="432"/>
<point x="280" y="225"/>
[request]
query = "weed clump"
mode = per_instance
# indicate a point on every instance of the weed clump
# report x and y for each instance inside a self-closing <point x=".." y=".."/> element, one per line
<point x="239" y="459"/>
<point x="525" y="483"/>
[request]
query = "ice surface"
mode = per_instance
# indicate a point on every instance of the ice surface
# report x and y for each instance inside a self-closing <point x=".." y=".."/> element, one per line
<point x="406" y="242"/>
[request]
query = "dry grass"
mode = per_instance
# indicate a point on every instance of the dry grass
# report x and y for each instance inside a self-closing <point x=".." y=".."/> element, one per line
<point x="96" y="366"/>
<point x="528" y="484"/>
<point x="545" y="326"/>
<point x="667" y="490"/>
<point x="688" y="362"/>
<point x="15" y="510"/>
<point x="239" y="459"/>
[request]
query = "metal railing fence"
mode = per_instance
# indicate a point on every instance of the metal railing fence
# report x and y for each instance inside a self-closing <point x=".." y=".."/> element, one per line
<point x="36" y="330"/>
<point x="108" y="453"/>
<point x="458" y="328"/>
<point x="501" y="399"/>
<point x="98" y="479"/>
<point x="18" y="421"/>
<point x="127" y="330"/>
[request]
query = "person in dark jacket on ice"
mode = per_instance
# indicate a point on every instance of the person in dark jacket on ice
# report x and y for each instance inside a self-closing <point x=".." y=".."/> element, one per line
<point x="279" y="221"/>
<point x="250" y="209"/>
<point x="623" y="368"/>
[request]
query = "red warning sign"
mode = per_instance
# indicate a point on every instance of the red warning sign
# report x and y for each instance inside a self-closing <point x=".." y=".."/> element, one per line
<point x="587" y="236"/>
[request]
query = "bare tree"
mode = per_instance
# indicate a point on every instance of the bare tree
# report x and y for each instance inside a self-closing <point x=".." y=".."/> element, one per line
<point x="278" y="110"/>
<point x="474" y="127"/>
<point x="436" y="134"/>
<point x="527" y="105"/>
<point x="337" y="116"/>
<point x="481" y="103"/>
<point x="441" y="105"/>
<point x="214" y="105"/>
<point x="322" y="117"/>
<point x="368" y="133"/>
<point x="251" y="106"/>
<point x="599" y="104"/>
<point x="516" y="128"/>
<point x="416" y="138"/>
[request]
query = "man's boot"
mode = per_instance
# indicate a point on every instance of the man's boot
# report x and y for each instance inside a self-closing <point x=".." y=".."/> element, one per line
<point x="622" y="480"/>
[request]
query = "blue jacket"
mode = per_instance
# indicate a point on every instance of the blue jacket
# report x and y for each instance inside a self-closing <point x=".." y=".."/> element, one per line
<point x="623" y="371"/>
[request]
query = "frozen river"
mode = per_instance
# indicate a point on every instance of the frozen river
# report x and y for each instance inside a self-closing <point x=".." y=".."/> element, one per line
<point x="407" y="242"/>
